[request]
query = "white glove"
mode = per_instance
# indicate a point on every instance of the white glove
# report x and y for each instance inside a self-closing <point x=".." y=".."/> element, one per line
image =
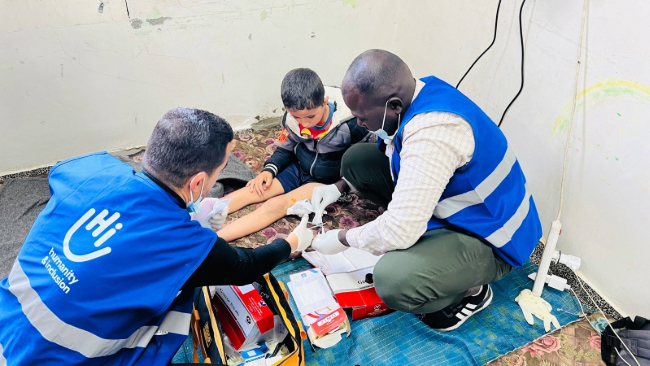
<point x="304" y="235"/>
<point x="212" y="212"/>
<point x="535" y="305"/>
<point x="218" y="219"/>
<point x="322" y="197"/>
<point x="300" y="208"/>
<point x="329" y="243"/>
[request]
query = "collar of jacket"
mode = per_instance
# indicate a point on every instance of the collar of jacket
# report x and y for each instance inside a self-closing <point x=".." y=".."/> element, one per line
<point x="340" y="116"/>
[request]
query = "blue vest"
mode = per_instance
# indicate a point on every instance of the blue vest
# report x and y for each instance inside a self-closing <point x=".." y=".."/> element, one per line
<point x="98" y="279"/>
<point x="488" y="197"/>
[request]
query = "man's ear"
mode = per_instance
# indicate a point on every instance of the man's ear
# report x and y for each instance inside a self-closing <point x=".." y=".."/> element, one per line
<point x="196" y="182"/>
<point x="395" y="105"/>
<point x="326" y="100"/>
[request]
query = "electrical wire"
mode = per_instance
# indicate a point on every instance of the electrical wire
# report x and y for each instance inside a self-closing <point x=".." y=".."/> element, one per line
<point x="573" y="108"/>
<point x="496" y="22"/>
<point x="521" y="40"/>
<point x="605" y="316"/>
<point x="564" y="168"/>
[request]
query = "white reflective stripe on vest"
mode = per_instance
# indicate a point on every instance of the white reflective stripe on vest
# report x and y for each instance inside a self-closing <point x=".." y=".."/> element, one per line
<point x="3" y="360"/>
<point x="175" y="322"/>
<point x="68" y="336"/>
<point x="503" y="236"/>
<point x="454" y="204"/>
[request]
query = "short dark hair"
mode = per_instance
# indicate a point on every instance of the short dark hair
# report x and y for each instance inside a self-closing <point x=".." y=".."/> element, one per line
<point x="302" y="89"/>
<point x="186" y="141"/>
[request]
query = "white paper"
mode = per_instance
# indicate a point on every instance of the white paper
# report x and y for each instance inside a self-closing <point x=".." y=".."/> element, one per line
<point x="218" y="206"/>
<point x="310" y="291"/>
<point x="301" y="208"/>
<point x="347" y="261"/>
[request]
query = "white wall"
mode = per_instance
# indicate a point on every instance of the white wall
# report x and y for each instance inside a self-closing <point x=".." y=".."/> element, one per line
<point x="75" y="80"/>
<point x="605" y="216"/>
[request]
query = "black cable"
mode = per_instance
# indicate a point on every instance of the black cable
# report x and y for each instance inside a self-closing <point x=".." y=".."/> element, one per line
<point x="521" y="39"/>
<point x="496" y="22"/>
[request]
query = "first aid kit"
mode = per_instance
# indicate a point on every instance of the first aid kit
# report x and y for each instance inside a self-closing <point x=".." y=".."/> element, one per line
<point x="244" y="315"/>
<point x="281" y="345"/>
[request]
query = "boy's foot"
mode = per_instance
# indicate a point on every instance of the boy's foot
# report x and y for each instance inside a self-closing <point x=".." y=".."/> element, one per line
<point x="453" y="316"/>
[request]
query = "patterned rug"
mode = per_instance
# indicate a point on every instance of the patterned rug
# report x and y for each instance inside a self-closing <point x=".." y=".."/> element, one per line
<point x="572" y="345"/>
<point x="577" y="344"/>
<point x="254" y="148"/>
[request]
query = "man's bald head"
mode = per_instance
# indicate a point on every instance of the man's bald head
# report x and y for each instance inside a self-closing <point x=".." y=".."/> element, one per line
<point x="376" y="73"/>
<point x="378" y="88"/>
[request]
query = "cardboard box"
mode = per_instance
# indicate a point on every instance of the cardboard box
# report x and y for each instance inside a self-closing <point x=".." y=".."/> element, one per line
<point x="356" y="295"/>
<point x="245" y="318"/>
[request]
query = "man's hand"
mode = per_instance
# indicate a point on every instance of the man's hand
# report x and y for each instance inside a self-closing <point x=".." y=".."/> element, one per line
<point x="260" y="183"/>
<point x="303" y="234"/>
<point x="322" y="197"/>
<point x="217" y="221"/>
<point x="329" y="243"/>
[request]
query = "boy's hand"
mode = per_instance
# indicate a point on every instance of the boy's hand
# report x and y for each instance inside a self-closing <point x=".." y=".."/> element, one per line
<point x="260" y="183"/>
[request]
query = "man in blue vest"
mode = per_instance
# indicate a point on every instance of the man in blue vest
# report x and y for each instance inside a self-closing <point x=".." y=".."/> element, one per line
<point x="107" y="273"/>
<point x="459" y="215"/>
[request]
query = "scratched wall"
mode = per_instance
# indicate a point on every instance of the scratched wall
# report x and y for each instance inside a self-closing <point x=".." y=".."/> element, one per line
<point x="605" y="217"/>
<point x="78" y="76"/>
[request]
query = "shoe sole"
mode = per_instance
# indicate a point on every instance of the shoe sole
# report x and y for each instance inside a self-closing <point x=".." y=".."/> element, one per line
<point x="485" y="305"/>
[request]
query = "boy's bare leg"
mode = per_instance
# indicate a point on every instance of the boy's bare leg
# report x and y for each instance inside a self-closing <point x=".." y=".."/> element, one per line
<point x="270" y="212"/>
<point x="244" y="197"/>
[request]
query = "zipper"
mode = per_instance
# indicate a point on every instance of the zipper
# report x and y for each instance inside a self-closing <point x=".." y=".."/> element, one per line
<point x="311" y="169"/>
<point x="329" y="133"/>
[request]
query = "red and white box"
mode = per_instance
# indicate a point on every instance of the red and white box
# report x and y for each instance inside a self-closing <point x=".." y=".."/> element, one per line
<point x="355" y="295"/>
<point x="325" y="321"/>
<point x="346" y="274"/>
<point x="245" y="318"/>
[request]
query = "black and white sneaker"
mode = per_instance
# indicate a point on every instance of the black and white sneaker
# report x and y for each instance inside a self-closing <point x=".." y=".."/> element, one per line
<point x="453" y="316"/>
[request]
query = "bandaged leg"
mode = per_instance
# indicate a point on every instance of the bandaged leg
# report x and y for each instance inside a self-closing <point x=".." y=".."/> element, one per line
<point x="270" y="212"/>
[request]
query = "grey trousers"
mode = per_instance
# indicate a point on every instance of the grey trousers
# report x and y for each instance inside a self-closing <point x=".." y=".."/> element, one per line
<point x="439" y="268"/>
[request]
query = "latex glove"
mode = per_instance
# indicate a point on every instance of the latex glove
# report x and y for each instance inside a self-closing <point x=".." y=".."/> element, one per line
<point x="305" y="235"/>
<point x="300" y="208"/>
<point x="209" y="208"/>
<point x="329" y="243"/>
<point x="322" y="197"/>
<point x="535" y="305"/>
<point x="218" y="219"/>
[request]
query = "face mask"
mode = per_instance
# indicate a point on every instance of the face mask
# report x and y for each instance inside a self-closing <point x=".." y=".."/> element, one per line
<point x="380" y="133"/>
<point x="195" y="206"/>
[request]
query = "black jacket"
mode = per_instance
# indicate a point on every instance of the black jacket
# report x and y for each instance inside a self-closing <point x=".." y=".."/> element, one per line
<point x="320" y="159"/>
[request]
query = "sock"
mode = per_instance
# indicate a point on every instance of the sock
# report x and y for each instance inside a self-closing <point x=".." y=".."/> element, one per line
<point x="474" y="291"/>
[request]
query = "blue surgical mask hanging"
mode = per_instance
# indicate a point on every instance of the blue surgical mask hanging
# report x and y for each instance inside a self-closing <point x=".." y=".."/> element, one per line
<point x="380" y="133"/>
<point x="195" y="206"/>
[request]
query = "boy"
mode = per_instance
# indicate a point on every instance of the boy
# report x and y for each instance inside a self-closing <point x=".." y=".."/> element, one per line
<point x="318" y="129"/>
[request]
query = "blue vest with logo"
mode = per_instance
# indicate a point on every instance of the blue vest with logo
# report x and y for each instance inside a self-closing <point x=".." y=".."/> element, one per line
<point x="99" y="277"/>
<point x="488" y="197"/>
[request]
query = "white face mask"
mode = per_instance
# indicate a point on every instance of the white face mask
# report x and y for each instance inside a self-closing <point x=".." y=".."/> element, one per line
<point x="195" y="206"/>
<point x="380" y="133"/>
